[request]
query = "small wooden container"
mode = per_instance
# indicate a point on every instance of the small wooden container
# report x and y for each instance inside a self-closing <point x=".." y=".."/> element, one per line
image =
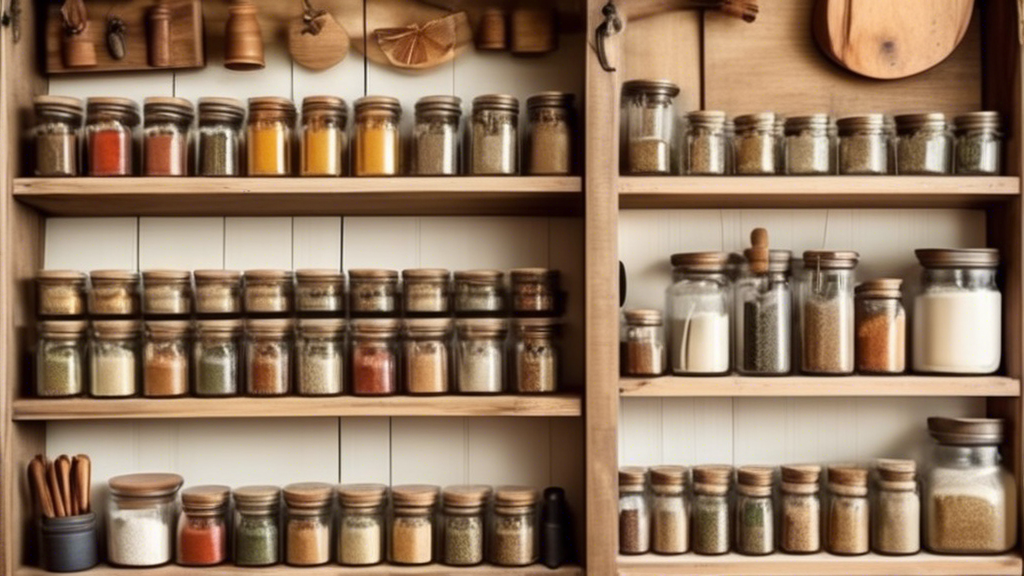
<point x="533" y="30"/>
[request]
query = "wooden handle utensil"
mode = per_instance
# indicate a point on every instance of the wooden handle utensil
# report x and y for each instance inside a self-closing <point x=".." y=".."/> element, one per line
<point x="83" y="482"/>
<point x="63" y="468"/>
<point x="51" y="482"/>
<point x="37" y="479"/>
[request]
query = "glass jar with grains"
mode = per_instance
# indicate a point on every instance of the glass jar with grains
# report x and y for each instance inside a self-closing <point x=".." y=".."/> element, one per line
<point x="979" y="143"/>
<point x="166" y="292"/>
<point x="514" y="538"/>
<point x="320" y="352"/>
<point x="268" y="353"/>
<point x="56" y="133"/>
<point x="307" y="525"/>
<point x="480" y="355"/>
<point x="324" y="137"/>
<point x="699" y="305"/>
<point x="535" y="291"/>
<point x="426" y="355"/>
<point x="670" y="510"/>
<point x="165" y="361"/>
<point x="114" y="359"/>
<point x="479" y="292"/>
<point x="268" y="291"/>
<point x="60" y="293"/>
<point x="924" y="144"/>
<point x="549" y="140"/>
<point x="218" y="292"/>
<point x="826" y="312"/>
<point x="217" y="357"/>
<point x="319" y="291"/>
<point x="881" y="346"/>
<point x="536" y="363"/>
<point x="643" y="343"/>
<point x="256" y="531"/>
<point x="755" y="144"/>
<point x="60" y="358"/>
<point x="220" y="137"/>
<point x="375" y="356"/>
<point x="377" y="140"/>
<point x="269" y="137"/>
<point x="764" y="314"/>
<point x="706" y="150"/>
<point x="166" y="136"/>
<point x="848" y="517"/>
<point x="361" y="524"/>
<point x="465" y="516"/>
<point x="755" y="511"/>
<point x="800" y="521"/>
<point x="711" y="523"/>
<point x="494" y="135"/>
<point x="114" y="293"/>
<point x="809" y="145"/>
<point x="648" y="112"/>
<point x="864" y="145"/>
<point x="435" y="136"/>
<point x="634" y="512"/>
<point x="425" y="291"/>
<point x="969" y="498"/>
<point x="413" y="524"/>
<point x="203" y="526"/>
<point x="372" y="292"/>
<point x="141" y="514"/>
<point x="109" y="124"/>
<point x="896" y="510"/>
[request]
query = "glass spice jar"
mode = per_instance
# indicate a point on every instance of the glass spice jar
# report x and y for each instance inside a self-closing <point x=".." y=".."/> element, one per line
<point x="699" y="305"/>
<point x="881" y="345"/>
<point x="808" y="145"/>
<point x="536" y="363"/>
<point x="377" y="142"/>
<point x="863" y="145"/>
<point x="425" y="291"/>
<point x="324" y="136"/>
<point x="412" y="524"/>
<point x="755" y="144"/>
<point x="826" y="312"/>
<point x="711" y="525"/>
<point x="220" y="137"/>
<point x="705" y="151"/>
<point x="166" y="292"/>
<point x="257" y="536"/>
<point x="319" y="291"/>
<point x="634" y="512"/>
<point x="435" y="136"/>
<point x="549" y="140"/>
<point x="60" y="293"/>
<point x="764" y="315"/>
<point x="320" y="352"/>
<point x="375" y="357"/>
<point x="268" y="291"/>
<point x="60" y="358"/>
<point x="268" y="352"/>
<point x="924" y="144"/>
<point x="307" y="524"/>
<point x="755" y="511"/>
<point x="514" y="539"/>
<point x="166" y="136"/>
<point x="979" y="143"/>
<point x="109" y="123"/>
<point x="165" y="359"/>
<point x="958" y="315"/>
<point x="650" y="120"/>
<point x="218" y="292"/>
<point x="848" y="511"/>
<point x="670" y="511"/>
<point x="535" y="291"/>
<point x="643" y="343"/>
<point x="268" y="136"/>
<point x="114" y="293"/>
<point x="372" y="291"/>
<point x="800" y="520"/>
<point x="479" y="292"/>
<point x="896" y="510"/>
<point x="57" y="125"/>
<point x="203" y="526"/>
<point x="465" y="517"/>
<point x="361" y="524"/>
<point x="426" y="355"/>
<point x="113" y="359"/>
<point x="480" y="355"/>
<point x="217" y="357"/>
<point x="494" y="135"/>
<point x="141" y="514"/>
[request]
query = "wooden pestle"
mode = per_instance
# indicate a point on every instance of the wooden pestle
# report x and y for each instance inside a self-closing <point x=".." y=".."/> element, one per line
<point x="51" y="482"/>
<point x="63" y="467"/>
<point x="83" y="479"/>
<point x="37" y="479"/>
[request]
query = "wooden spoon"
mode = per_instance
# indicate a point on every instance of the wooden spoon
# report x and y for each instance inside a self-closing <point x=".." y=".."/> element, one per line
<point x="54" y="487"/>
<point x="63" y="469"/>
<point x="83" y="480"/>
<point x="37" y="479"/>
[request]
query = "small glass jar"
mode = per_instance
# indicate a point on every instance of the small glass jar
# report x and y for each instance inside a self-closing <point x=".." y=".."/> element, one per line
<point x="58" y="123"/>
<point x="755" y="511"/>
<point x="377" y="142"/>
<point x="800" y="520"/>
<point x="324" y="137"/>
<point x="217" y="358"/>
<point x="268" y="138"/>
<point x="114" y="359"/>
<point x="970" y="498"/>
<point x="494" y="136"/>
<point x="60" y="359"/>
<point x="863" y="145"/>
<point x="465" y="524"/>
<point x="699" y="305"/>
<point x="670" y="511"/>
<point x="166" y="292"/>
<point x="307" y="525"/>
<point x="203" y="526"/>
<point x="375" y="357"/>
<point x="165" y="362"/>
<point x="706" y="148"/>
<point x="320" y="353"/>
<point x="756" y="145"/>
<point x="426" y="291"/>
<point x="549" y="140"/>
<point x="958" y="315"/>
<point x="61" y="293"/>
<point x="166" y="136"/>
<point x="426" y="355"/>
<point x="319" y="291"/>
<point x="257" y="533"/>
<point x="218" y="292"/>
<point x="535" y="291"/>
<point x="826" y="312"/>
<point x="881" y="346"/>
<point x="268" y="352"/>
<point x="219" y="150"/>
<point x="650" y="120"/>
<point x="372" y="292"/>
<point x="268" y="291"/>
<point x="809" y="146"/>
<point x="412" y="524"/>
<point x="643" y="343"/>
<point x="109" y="123"/>
<point x="711" y="526"/>
<point x="536" y="363"/>
<point x="924" y="144"/>
<point x="479" y="292"/>
<point x="114" y="293"/>
<point x="634" y="512"/>
<point x="514" y="538"/>
<point x="141" y="514"/>
<point x="979" y="143"/>
<point x="435" y="137"/>
<point x="764" y="315"/>
<point x="480" y="355"/>
<point x="848" y="517"/>
<point x="896" y="510"/>
<point x="361" y="524"/>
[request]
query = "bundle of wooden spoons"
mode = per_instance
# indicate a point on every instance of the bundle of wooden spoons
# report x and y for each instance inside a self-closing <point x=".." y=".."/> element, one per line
<point x="61" y="487"/>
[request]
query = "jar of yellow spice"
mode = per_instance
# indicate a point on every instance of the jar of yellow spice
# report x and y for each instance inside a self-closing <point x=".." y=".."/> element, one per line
<point x="324" y="140"/>
<point x="377" y="140"/>
<point x="269" y="136"/>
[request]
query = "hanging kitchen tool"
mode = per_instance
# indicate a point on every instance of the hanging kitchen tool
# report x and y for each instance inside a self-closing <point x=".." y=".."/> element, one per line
<point x="407" y="35"/>
<point x="316" y="40"/>
<point x="243" y="38"/>
<point x="77" y="49"/>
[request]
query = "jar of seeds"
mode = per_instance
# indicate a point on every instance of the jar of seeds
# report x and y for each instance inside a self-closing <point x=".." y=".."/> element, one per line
<point x="924" y="144"/>
<point x="377" y="141"/>
<point x="808" y="145"/>
<point x="670" y="522"/>
<point x="114" y="293"/>
<point x="979" y="143"/>
<point x="60" y="358"/>
<point x="755" y="512"/>
<point x="549" y="142"/>
<point x="57" y="126"/>
<point x="643" y="343"/>
<point x="800" y="522"/>
<point x="114" y="359"/>
<point x="375" y="356"/>
<point x="711" y="526"/>
<point x="699" y="304"/>
<point x="166" y="136"/>
<point x="465" y="511"/>
<point x="435" y="137"/>
<point x="479" y="292"/>
<point x="648" y="112"/>
<point x="372" y="292"/>
<point x="896" y="511"/>
<point x="220" y="137"/>
<point x="764" y="313"/>
<point x="61" y="293"/>
<point x="412" y="524"/>
<point x="494" y="135"/>
<point x="881" y="346"/>
<point x="634" y="512"/>
<point x="320" y="357"/>
<point x="307" y="525"/>
<point x="826" y="312"/>
<point x="535" y="291"/>
<point x="425" y="291"/>
<point x="361" y="524"/>
<point x="165" y="361"/>
<point x="514" y="540"/>
<point x="706" y="149"/>
<point x="319" y="291"/>
<point x="755" y="144"/>
<point x="167" y="293"/>
<point x="257" y="518"/>
<point x="217" y="357"/>
<point x="863" y="145"/>
<point x="536" y="356"/>
<point x="218" y="292"/>
<point x="480" y="355"/>
<point x="268" y="352"/>
<point x="268" y="291"/>
<point x="426" y="355"/>
<point x="848" y="510"/>
<point x="324" y="144"/>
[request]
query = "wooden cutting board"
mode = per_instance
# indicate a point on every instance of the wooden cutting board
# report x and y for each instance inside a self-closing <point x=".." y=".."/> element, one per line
<point x="888" y="39"/>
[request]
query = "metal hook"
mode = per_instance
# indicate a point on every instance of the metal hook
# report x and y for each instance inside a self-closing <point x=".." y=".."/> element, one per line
<point x="612" y="25"/>
<point x="12" y="17"/>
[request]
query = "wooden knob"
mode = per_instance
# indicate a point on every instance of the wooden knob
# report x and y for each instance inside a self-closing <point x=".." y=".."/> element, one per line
<point x="757" y="254"/>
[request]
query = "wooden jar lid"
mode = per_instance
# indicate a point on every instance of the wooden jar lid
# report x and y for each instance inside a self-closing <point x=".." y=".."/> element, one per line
<point x="717" y="474"/>
<point x="361" y="495"/>
<point x="479" y="276"/>
<point x="166" y="276"/>
<point x="101" y="276"/>
<point x="205" y="497"/>
<point x="63" y="329"/>
<point x="844" y="475"/>
<point x="269" y="326"/>
<point x="257" y="496"/>
<point x="801" y="474"/>
<point x="307" y="494"/>
<point x="897" y="470"/>
<point x="442" y="105"/>
<point x="60" y="277"/>
<point x="514" y="496"/>
<point x="267" y="275"/>
<point x="428" y="326"/>
<point x="115" y="329"/>
<point x="414" y="495"/>
<point x="213" y="276"/>
<point x="668" y="475"/>
<point x="167" y="329"/>
<point x="425" y="274"/>
<point x="372" y="274"/>
<point x="145" y="485"/>
<point x="225" y="327"/>
<point x="319" y="275"/>
<point x="632" y="476"/>
<point x="830" y="259"/>
<point x="466" y="496"/>
<point x="754" y="476"/>
<point x="482" y="327"/>
<point x="376" y="326"/>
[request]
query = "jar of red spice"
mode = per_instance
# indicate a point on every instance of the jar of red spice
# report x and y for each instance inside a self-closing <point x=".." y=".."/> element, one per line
<point x="165" y="353"/>
<point x="202" y="528"/>
<point x="58" y="122"/>
<point x="165" y="136"/>
<point x="426" y="355"/>
<point x="375" y="357"/>
<point x="268" y="353"/>
<point x="166" y="292"/>
<point x="308" y="524"/>
<point x="268" y="291"/>
<point x="535" y="291"/>
<point x="536" y="355"/>
<point x="881" y="344"/>
<point x="319" y="290"/>
<point x="218" y="292"/>
<point x="372" y="291"/>
<point x="269" y="136"/>
<point x="114" y="293"/>
<point x="109" y="123"/>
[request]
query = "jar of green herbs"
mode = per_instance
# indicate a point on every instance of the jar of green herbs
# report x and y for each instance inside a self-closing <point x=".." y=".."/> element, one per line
<point x="979" y="143"/>
<point x="60" y="358"/>
<point x="711" y="526"/>
<point x="257" y="539"/>
<point x="217" y="359"/>
<point x="755" y="512"/>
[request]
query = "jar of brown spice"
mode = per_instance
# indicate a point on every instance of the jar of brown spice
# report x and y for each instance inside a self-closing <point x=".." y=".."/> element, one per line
<point x="166" y="292"/>
<point x="165" y="353"/>
<point x="307" y="524"/>
<point x="166" y="136"/>
<point x="375" y="356"/>
<point x="426" y="291"/>
<point x="670" y="510"/>
<point x="319" y="291"/>
<point x="535" y="292"/>
<point x="896" y="509"/>
<point x="268" y="353"/>
<point x="881" y="345"/>
<point x="427" y="355"/>
<point x="514" y="528"/>
<point x="848" y="517"/>
<point x="643" y="343"/>
<point x="268" y="291"/>
<point x="114" y="293"/>
<point x="218" y="292"/>
<point x="57" y="128"/>
<point x="61" y="293"/>
<point x="634" y="512"/>
<point x="536" y="352"/>
<point x="413" y="524"/>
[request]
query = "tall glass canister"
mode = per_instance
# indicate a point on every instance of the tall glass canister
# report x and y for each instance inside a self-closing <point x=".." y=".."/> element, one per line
<point x="436" y="136"/>
<point x="634" y="511"/>
<point x="699" y="302"/>
<point x="763" y="311"/>
<point x="649" y="139"/>
<point x="826" y="312"/>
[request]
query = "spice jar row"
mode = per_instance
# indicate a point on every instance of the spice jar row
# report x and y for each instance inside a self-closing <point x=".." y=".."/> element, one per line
<point x="268" y="143"/>
<point x="422" y="292"/>
<point x="272" y="358"/>
<point x="766" y="143"/>
<point x="966" y="504"/>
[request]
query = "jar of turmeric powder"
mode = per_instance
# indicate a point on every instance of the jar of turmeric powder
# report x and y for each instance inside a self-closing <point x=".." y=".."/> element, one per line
<point x="269" y="136"/>
<point x="324" y="139"/>
<point x="377" y="140"/>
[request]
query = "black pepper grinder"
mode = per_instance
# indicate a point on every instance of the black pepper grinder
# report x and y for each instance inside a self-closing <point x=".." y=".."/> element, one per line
<point x="556" y="532"/>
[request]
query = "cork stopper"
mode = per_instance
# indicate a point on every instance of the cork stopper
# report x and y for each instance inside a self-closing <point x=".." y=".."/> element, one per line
<point x="754" y="481"/>
<point x="848" y="476"/>
<point x="757" y="254"/>
<point x="800" y="479"/>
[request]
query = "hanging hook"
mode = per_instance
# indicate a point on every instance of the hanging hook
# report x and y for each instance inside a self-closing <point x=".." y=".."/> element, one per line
<point x="612" y="25"/>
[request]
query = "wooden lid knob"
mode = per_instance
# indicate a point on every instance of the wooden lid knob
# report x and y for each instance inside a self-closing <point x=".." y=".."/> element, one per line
<point x="757" y="254"/>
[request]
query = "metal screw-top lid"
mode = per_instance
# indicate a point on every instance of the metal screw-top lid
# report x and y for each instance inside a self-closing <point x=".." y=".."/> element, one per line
<point x="700" y="261"/>
<point x="656" y="87"/>
<point x="551" y="99"/>
<point x="157" y="109"/>
<point x="760" y="121"/>
<point x="64" y="107"/>
<point x="980" y="120"/>
<point x="958" y="257"/>
<point x="797" y="124"/>
<point x="216" y="109"/>
<point x="707" y="118"/>
<point x="325" y="104"/>
<point x="863" y="123"/>
<point x="830" y="259"/>
<point x="967" y="431"/>
<point x="123" y="109"/>
<point x="377" y="105"/>
<point x="272" y="107"/>
<point x="643" y="317"/>
<point x="928" y="120"/>
<point x="441" y="105"/>
<point x="503" y="102"/>
<point x="880" y="288"/>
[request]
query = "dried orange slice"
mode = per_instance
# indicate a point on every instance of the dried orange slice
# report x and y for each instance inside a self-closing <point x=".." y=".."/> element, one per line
<point x="421" y="45"/>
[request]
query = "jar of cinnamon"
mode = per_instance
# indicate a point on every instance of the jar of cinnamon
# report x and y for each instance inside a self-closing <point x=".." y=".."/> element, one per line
<point x="268" y="354"/>
<point x="165" y="353"/>
<point x="375" y="356"/>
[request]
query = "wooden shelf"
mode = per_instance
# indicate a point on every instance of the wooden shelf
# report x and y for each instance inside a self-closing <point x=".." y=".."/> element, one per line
<point x="328" y="570"/>
<point x="820" y="564"/>
<point x="815" y="191"/>
<point x="454" y="195"/>
<point x="734" y="386"/>
<point x="293" y="406"/>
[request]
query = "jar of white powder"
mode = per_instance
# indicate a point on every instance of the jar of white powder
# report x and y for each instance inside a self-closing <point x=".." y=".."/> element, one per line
<point x="140" y="519"/>
<point x="699" y="304"/>
<point x="114" y="359"/>
<point x="480" y="355"/>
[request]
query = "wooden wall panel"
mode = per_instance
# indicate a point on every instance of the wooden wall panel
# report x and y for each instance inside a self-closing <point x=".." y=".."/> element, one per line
<point x="676" y="56"/>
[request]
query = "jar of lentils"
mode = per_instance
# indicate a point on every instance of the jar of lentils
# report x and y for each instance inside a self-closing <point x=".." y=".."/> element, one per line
<point x="269" y="136"/>
<point x="924" y="144"/>
<point x="413" y="524"/>
<point x="307" y="525"/>
<point x="114" y="359"/>
<point x="650" y="119"/>
<point x="514" y="532"/>
<point x="643" y="343"/>
<point x="549" y="141"/>
<point x="494" y="135"/>
<point x="324" y="137"/>
<point x="218" y="292"/>
<point x="479" y="293"/>
<point x="256" y="527"/>
<point x="800" y="522"/>
<point x="706" y="148"/>
<point x="60" y="293"/>
<point x="114" y="293"/>
<point x="670" y="511"/>
<point x="848" y="511"/>
<point x="864" y="145"/>
<point x="109" y="123"/>
<point x="377" y="141"/>
<point x="361" y="524"/>
<point x="372" y="291"/>
<point x="809" y="146"/>
<point x="268" y="352"/>
<point x="634" y="512"/>
<point x="58" y="123"/>
<point x="535" y="291"/>
<point x="536" y="352"/>
<point x="426" y="355"/>
<point x="166" y="136"/>
<point x="711" y="523"/>
<point x="165" y="359"/>
<point x="435" y="137"/>
<point x="319" y="291"/>
<point x="465" y="517"/>
<point x="755" y="511"/>
<point x="375" y="353"/>
<point x="480" y="355"/>
<point x="425" y="291"/>
<point x="755" y="145"/>
<point x="217" y="357"/>
<point x="220" y="137"/>
<point x="320" y="352"/>
<point x="166" y="292"/>
<point x="896" y="511"/>
<point x="268" y="291"/>
<point x="979" y="143"/>
<point x="60" y="358"/>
